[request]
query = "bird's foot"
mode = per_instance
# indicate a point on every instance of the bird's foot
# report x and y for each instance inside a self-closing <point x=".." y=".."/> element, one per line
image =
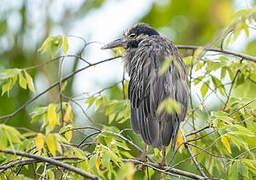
<point x="139" y="166"/>
<point x="142" y="158"/>
<point x="163" y="163"/>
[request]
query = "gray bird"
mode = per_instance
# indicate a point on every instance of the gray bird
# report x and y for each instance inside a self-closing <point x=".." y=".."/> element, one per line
<point x="146" y="52"/>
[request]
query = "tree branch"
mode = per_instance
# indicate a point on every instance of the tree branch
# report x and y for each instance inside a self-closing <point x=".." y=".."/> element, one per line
<point x="193" y="158"/>
<point x="52" y="86"/>
<point x="197" y="131"/>
<point x="244" y="56"/>
<point x="52" y="161"/>
<point x="166" y="170"/>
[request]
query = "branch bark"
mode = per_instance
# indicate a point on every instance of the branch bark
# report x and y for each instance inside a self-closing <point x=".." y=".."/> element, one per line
<point x="244" y="56"/>
<point x="53" y="162"/>
<point x="166" y="170"/>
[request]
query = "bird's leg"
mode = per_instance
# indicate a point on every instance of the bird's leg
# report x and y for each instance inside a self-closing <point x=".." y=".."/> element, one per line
<point x="143" y="156"/>
<point x="163" y="163"/>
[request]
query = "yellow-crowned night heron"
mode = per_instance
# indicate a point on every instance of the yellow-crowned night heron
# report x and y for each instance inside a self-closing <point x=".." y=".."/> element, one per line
<point x="146" y="51"/>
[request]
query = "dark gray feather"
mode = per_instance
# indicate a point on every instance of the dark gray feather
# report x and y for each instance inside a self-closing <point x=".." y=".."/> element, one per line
<point x="147" y="89"/>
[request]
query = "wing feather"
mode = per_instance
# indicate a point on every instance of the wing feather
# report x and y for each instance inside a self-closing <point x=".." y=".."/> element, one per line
<point x="147" y="89"/>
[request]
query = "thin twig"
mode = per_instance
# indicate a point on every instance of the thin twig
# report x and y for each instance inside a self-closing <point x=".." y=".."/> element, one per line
<point x="241" y="107"/>
<point x="97" y="92"/>
<point x="193" y="158"/>
<point x="45" y="167"/>
<point x="60" y="91"/>
<point x="55" y="59"/>
<point x="250" y="58"/>
<point x="207" y="151"/>
<point x="52" y="86"/>
<point x="237" y="157"/>
<point x="232" y="84"/>
<point x="79" y="145"/>
<point x="123" y="79"/>
<point x="172" y="171"/>
<point x="197" y="131"/>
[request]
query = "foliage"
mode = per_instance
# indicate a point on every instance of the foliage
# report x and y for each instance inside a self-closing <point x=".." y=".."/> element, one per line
<point x="218" y="135"/>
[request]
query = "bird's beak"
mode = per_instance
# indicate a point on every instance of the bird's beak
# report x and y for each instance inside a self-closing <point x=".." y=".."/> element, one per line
<point x="122" y="42"/>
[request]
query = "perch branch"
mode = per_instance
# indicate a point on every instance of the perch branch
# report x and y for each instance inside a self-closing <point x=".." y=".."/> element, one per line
<point x="244" y="56"/>
<point x="53" y="162"/>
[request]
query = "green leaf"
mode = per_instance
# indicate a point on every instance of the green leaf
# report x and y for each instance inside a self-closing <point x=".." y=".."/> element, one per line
<point x="65" y="45"/>
<point x="10" y="135"/>
<point x="22" y="81"/>
<point x="217" y="83"/>
<point x="126" y="172"/>
<point x="198" y="52"/>
<point x="244" y="171"/>
<point x="204" y="89"/>
<point x="46" y="46"/>
<point x="106" y="160"/>
<point x="169" y="105"/>
<point x="51" y="142"/>
<point x="167" y="62"/>
<point x="90" y="101"/>
<point x="122" y="145"/>
<point x="111" y="117"/>
<point x="233" y="171"/>
<point x="8" y="86"/>
<point x="29" y="82"/>
<point x="37" y="113"/>
<point x="50" y="174"/>
<point x="9" y="73"/>
<point x="230" y="73"/>
<point x="52" y="44"/>
<point x="92" y="162"/>
<point x="52" y="116"/>
<point x="251" y="164"/>
<point x="223" y="72"/>
<point x="187" y="60"/>
<point x="240" y="79"/>
<point x="98" y="102"/>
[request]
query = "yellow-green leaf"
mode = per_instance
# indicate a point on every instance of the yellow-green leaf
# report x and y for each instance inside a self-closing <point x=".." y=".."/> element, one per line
<point x="46" y="45"/>
<point x="131" y="171"/>
<point x="6" y="87"/>
<point x="111" y="117"/>
<point x="51" y="143"/>
<point x="98" y="164"/>
<point x="52" y="116"/>
<point x="90" y="101"/>
<point x="51" y="44"/>
<point x="165" y="65"/>
<point x="65" y="45"/>
<point x="68" y="135"/>
<point x="22" y="81"/>
<point x="29" y="82"/>
<point x="67" y="114"/>
<point x="179" y="141"/>
<point x="198" y="52"/>
<point x="226" y="143"/>
<point x="118" y="51"/>
<point x="204" y="89"/>
<point x="39" y="142"/>
<point x="169" y="105"/>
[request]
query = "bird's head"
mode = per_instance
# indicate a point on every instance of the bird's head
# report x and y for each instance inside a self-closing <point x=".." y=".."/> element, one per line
<point x="132" y="37"/>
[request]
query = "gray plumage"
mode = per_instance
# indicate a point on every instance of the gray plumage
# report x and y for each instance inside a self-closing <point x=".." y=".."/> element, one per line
<point x="146" y="52"/>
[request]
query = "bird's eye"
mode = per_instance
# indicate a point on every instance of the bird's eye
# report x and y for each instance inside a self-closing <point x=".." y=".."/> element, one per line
<point x="132" y="35"/>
